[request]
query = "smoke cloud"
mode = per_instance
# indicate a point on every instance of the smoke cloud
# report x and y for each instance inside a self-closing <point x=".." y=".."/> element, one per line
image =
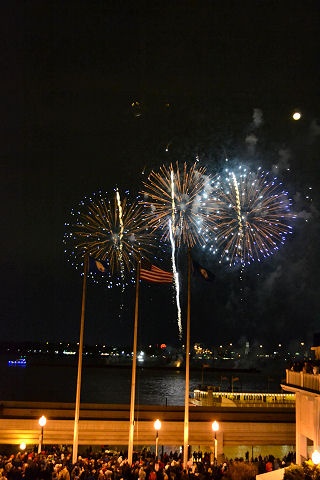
<point x="283" y="162"/>
<point x="272" y="279"/>
<point x="251" y="141"/>
<point x="257" y="117"/>
<point x="314" y="128"/>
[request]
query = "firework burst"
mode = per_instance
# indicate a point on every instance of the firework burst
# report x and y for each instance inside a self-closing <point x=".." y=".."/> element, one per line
<point x="176" y="203"/>
<point x="108" y="229"/>
<point x="180" y="194"/>
<point x="253" y="215"/>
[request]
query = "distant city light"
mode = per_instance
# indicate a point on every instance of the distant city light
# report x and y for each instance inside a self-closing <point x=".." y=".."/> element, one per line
<point x="141" y="357"/>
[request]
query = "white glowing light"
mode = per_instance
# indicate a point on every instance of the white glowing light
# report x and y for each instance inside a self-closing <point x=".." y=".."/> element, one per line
<point x="296" y="116"/>
<point x="173" y="248"/>
<point x="316" y="457"/>
<point x="42" y="421"/>
<point x="157" y="424"/>
<point x="215" y="426"/>
<point x="176" y="278"/>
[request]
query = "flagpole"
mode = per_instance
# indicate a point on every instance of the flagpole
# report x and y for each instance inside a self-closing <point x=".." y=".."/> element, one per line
<point x="134" y="363"/>
<point x="186" y="400"/>
<point x="77" y="409"/>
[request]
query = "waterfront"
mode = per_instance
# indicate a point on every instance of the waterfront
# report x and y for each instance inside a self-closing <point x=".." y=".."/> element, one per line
<point x="112" y="384"/>
<point x="108" y="425"/>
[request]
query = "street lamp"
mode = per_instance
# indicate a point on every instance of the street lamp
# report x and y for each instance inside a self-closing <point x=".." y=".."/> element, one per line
<point x="42" y="422"/>
<point x="215" y="428"/>
<point x="316" y="457"/>
<point x="157" y="426"/>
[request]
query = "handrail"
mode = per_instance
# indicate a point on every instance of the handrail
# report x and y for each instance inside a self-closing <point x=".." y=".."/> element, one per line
<point x="244" y="399"/>
<point x="303" y="380"/>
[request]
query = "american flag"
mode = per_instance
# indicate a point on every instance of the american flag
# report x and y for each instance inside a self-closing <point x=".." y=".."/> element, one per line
<point x="153" y="274"/>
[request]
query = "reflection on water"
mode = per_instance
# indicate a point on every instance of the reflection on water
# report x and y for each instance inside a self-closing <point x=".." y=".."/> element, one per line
<point x="112" y="385"/>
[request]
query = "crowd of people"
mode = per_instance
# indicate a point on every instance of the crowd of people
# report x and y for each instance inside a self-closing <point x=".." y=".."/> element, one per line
<point x="57" y="464"/>
<point x="307" y="366"/>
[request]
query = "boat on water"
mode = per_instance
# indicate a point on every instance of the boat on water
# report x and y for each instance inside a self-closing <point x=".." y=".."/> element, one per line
<point x="19" y="362"/>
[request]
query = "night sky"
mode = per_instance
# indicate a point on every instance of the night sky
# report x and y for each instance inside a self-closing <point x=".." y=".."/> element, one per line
<point x="70" y="71"/>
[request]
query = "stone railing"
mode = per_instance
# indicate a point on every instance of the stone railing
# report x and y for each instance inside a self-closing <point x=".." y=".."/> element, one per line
<point x="303" y="380"/>
<point x="240" y="399"/>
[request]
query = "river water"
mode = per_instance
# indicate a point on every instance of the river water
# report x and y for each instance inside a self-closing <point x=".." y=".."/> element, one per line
<point x="57" y="383"/>
<point x="112" y="385"/>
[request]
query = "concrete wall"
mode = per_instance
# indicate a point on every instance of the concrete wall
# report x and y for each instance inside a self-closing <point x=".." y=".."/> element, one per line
<point x="308" y="423"/>
<point x="109" y="425"/>
<point x="306" y="388"/>
<point x="92" y="432"/>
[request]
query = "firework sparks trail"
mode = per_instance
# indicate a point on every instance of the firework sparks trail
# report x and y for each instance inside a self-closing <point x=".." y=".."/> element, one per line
<point x="120" y="240"/>
<point x="176" y="277"/>
<point x="238" y="207"/>
<point x="173" y="255"/>
<point x="254" y="215"/>
<point x="172" y="201"/>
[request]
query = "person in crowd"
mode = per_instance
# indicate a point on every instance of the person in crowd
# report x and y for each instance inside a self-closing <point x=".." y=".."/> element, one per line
<point x="105" y="465"/>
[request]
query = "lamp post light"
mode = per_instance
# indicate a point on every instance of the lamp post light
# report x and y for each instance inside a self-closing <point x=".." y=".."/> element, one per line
<point x="316" y="457"/>
<point x="215" y="428"/>
<point x="157" y="426"/>
<point x="42" y="422"/>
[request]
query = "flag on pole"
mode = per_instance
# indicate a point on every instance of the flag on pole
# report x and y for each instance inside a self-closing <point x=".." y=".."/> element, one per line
<point x="153" y="274"/>
<point x="97" y="266"/>
<point x="198" y="270"/>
